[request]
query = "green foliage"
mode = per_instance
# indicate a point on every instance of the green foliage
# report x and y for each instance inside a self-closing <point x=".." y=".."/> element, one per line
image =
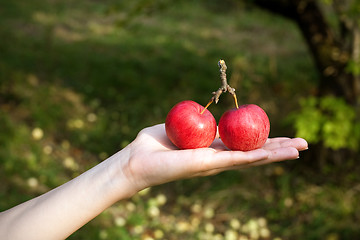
<point x="353" y="68"/>
<point x="330" y="120"/>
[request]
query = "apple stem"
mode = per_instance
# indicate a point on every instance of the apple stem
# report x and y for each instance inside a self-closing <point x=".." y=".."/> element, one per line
<point x="225" y="87"/>
<point x="235" y="100"/>
<point x="207" y="105"/>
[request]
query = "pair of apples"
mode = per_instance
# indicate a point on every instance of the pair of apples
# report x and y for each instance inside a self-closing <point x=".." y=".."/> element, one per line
<point x="189" y="125"/>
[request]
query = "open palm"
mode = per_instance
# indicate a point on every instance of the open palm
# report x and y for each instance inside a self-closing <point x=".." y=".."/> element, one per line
<point x="155" y="160"/>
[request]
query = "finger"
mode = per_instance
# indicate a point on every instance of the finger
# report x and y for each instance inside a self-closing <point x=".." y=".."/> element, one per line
<point x="277" y="155"/>
<point x="283" y="153"/>
<point x="298" y="143"/>
<point x="225" y="159"/>
<point x="236" y="167"/>
<point x="276" y="140"/>
<point x="301" y="144"/>
<point x="233" y="160"/>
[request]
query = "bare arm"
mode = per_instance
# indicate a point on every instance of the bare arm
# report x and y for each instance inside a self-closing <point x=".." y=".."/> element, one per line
<point x="149" y="160"/>
<point x="61" y="211"/>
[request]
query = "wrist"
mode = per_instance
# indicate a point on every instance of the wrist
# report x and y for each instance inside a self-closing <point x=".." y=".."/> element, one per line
<point x="119" y="178"/>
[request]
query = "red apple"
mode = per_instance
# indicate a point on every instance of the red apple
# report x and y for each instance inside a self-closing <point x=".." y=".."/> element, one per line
<point x="246" y="128"/>
<point x="188" y="128"/>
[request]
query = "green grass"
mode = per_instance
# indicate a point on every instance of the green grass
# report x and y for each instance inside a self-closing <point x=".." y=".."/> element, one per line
<point x="90" y="81"/>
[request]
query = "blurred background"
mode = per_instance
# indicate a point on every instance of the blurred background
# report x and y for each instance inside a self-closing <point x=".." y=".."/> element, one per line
<point x="80" y="79"/>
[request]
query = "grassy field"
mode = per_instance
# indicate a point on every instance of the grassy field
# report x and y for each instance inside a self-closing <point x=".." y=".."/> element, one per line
<point x="80" y="79"/>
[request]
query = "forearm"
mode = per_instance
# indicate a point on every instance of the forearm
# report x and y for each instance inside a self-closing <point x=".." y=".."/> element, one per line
<point x="60" y="212"/>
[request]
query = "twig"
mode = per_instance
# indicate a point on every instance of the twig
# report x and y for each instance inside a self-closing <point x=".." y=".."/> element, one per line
<point x="225" y="87"/>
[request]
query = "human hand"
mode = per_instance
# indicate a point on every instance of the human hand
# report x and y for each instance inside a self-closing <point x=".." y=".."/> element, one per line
<point x="154" y="160"/>
<point x="151" y="159"/>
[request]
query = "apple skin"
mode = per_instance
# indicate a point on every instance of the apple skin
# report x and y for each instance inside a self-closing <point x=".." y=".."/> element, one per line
<point x="187" y="128"/>
<point x="244" y="129"/>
